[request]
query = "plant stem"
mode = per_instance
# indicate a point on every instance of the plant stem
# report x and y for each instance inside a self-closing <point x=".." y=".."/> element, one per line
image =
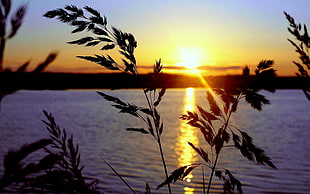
<point x="212" y="172"/>
<point x="163" y="160"/>
<point x="120" y="177"/>
<point x="2" y="46"/>
<point x="151" y="107"/>
<point x="203" y="181"/>
<point x="217" y="155"/>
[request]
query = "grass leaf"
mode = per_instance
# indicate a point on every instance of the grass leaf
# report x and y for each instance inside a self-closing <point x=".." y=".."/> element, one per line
<point x="160" y="95"/>
<point x="93" y="43"/>
<point x="108" y="47"/>
<point x="81" y="40"/>
<point x="104" y="39"/>
<point x="17" y="19"/>
<point x="150" y="126"/>
<point x="213" y="105"/>
<point x="49" y="59"/>
<point x="108" y="63"/>
<point x="255" y="99"/>
<point x="79" y="29"/>
<point x="12" y="160"/>
<point x="175" y="175"/>
<point x="141" y="130"/>
<point x="178" y="174"/>
<point x="119" y="176"/>
<point x="99" y="31"/>
<point x="92" y="11"/>
<point x="201" y="152"/>
<point x="218" y="142"/>
<point x="251" y="152"/>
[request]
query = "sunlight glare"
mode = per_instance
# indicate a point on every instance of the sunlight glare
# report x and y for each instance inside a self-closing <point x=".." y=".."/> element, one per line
<point x="191" y="57"/>
<point x="188" y="190"/>
<point x="186" y="154"/>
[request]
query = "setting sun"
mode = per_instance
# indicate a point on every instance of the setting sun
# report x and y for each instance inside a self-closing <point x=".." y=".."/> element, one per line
<point x="190" y="57"/>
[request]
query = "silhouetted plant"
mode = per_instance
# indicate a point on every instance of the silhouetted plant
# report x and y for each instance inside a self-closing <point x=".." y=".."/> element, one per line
<point x="214" y="124"/>
<point x="148" y="115"/>
<point x="59" y="171"/>
<point x="216" y="138"/>
<point x="5" y="90"/>
<point x="97" y="25"/>
<point x="302" y="48"/>
<point x="120" y="176"/>
<point x="126" y="43"/>
<point x="15" y="171"/>
<point x="68" y="172"/>
<point x="16" y="22"/>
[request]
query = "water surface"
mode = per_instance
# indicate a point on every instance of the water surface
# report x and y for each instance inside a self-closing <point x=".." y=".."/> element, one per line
<point x="281" y="129"/>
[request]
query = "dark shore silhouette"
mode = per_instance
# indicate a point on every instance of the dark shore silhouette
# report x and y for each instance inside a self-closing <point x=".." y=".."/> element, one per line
<point x="61" y="81"/>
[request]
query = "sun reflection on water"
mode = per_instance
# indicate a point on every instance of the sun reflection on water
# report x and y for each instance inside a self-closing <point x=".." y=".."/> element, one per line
<point x="187" y="134"/>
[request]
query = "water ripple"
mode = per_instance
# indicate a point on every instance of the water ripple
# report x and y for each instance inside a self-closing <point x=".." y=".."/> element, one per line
<point x="280" y="129"/>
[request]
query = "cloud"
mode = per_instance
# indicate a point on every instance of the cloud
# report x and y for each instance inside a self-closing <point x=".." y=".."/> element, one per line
<point x="220" y="68"/>
<point x="206" y="67"/>
<point x="174" y="67"/>
<point x="213" y="69"/>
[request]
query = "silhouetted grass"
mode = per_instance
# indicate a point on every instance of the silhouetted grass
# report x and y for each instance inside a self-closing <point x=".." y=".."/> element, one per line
<point x="226" y="135"/>
<point x="94" y="23"/>
<point x="302" y="48"/>
<point x="59" y="171"/>
<point x="125" y="42"/>
<point x="16" y="21"/>
<point x="217" y="138"/>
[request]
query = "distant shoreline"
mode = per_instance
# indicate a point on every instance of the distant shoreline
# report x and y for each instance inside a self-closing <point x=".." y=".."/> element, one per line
<point x="62" y="81"/>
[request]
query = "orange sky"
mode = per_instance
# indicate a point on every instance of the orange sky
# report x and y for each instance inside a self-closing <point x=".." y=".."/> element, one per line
<point x="221" y="38"/>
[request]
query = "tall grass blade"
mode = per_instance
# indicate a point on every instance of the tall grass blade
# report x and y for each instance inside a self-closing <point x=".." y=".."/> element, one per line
<point x="203" y="180"/>
<point x="122" y="179"/>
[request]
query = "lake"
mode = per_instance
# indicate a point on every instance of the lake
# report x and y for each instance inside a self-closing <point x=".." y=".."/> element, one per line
<point x="282" y="129"/>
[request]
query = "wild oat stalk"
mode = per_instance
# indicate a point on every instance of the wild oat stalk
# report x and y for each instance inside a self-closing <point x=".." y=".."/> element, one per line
<point x="95" y="24"/>
<point x="112" y="38"/>
<point x="67" y="175"/>
<point x="214" y="124"/>
<point x="148" y="115"/>
<point x="302" y="48"/>
<point x="59" y="171"/>
<point x="17" y="171"/>
<point x="16" y="22"/>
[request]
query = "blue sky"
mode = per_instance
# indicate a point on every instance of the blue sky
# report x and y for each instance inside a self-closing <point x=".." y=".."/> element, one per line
<point x="229" y="33"/>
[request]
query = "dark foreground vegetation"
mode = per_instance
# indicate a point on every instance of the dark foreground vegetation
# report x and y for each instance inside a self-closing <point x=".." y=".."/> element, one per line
<point x="55" y="81"/>
<point x="60" y="170"/>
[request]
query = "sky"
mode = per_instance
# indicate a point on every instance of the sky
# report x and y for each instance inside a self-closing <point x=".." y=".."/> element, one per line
<point x="217" y="37"/>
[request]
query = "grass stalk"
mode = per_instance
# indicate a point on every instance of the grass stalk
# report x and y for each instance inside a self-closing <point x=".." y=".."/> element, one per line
<point x="150" y="101"/>
<point x="212" y="173"/>
<point x="120" y="176"/>
<point x="203" y="181"/>
<point x="217" y="154"/>
<point x="164" y="163"/>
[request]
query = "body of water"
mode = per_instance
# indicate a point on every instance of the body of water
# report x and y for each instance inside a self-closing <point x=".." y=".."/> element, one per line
<point x="282" y="129"/>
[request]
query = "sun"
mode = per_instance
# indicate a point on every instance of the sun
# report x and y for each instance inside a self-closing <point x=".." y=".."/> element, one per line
<point x="190" y="57"/>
